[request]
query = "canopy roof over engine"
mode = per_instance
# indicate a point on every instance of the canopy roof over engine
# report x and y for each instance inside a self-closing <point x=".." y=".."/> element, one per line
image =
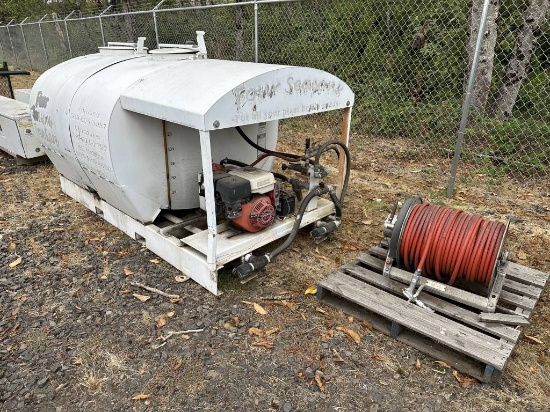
<point x="218" y="94"/>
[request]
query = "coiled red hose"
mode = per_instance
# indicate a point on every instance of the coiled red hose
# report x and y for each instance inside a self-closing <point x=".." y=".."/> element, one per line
<point x="450" y="244"/>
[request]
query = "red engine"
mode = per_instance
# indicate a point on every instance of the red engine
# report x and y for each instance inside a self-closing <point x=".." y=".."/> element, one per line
<point x="255" y="215"/>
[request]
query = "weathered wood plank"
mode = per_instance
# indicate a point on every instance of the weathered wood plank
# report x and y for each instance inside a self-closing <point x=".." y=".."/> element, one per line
<point x="516" y="300"/>
<point x="439" y="305"/>
<point x="522" y="289"/>
<point x="503" y="319"/>
<point x="527" y="275"/>
<point x="431" y="286"/>
<point x="449" y="333"/>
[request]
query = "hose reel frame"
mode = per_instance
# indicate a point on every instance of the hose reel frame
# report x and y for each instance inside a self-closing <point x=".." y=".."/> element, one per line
<point x="486" y="303"/>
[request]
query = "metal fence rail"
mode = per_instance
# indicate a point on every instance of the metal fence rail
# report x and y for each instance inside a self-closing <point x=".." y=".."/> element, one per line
<point x="407" y="61"/>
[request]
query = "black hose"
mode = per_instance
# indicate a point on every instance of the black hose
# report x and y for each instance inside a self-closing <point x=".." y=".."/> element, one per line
<point x="263" y="149"/>
<point x="316" y="191"/>
<point x="242" y="164"/>
<point x="322" y="149"/>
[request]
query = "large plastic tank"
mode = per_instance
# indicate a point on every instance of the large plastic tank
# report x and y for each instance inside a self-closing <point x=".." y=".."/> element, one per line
<point x="127" y="126"/>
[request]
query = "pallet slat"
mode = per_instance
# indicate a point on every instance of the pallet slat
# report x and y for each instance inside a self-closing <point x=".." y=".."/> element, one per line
<point x="456" y="333"/>
<point x="439" y="305"/>
<point x="452" y="334"/>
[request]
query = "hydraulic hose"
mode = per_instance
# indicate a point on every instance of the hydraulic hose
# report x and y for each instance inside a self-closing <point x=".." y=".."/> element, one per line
<point x="322" y="149"/>
<point x="254" y="263"/>
<point x="450" y="244"/>
<point x="242" y="164"/>
<point x="263" y="149"/>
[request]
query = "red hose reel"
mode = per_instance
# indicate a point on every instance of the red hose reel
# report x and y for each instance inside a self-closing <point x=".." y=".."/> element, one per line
<point x="446" y="244"/>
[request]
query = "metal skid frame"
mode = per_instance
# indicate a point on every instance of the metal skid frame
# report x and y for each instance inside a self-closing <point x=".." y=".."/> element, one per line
<point x="201" y="254"/>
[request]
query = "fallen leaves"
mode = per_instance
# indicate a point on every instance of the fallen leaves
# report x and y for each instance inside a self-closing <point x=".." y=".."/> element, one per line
<point x="464" y="380"/>
<point x="319" y="383"/>
<point x="161" y="322"/>
<point x="11" y="247"/>
<point x="141" y="298"/>
<point x="312" y="290"/>
<point x="532" y="339"/>
<point x="155" y="261"/>
<point x="336" y="356"/>
<point x="259" y="309"/>
<point x="15" y="262"/>
<point x="128" y="272"/>
<point x="140" y="397"/>
<point x="351" y="333"/>
<point x="261" y="337"/>
<point x="522" y="255"/>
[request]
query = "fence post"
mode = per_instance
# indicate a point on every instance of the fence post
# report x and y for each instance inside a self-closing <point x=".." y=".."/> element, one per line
<point x="11" y="43"/>
<point x="155" y="20"/>
<point x="256" y="31"/>
<point x="67" y="33"/>
<point x="2" y="48"/>
<point x="25" y="42"/>
<point x="468" y="99"/>
<point x="43" y="44"/>
<point x="101" y="23"/>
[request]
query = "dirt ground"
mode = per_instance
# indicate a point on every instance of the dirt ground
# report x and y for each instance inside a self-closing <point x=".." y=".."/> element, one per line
<point x="74" y="336"/>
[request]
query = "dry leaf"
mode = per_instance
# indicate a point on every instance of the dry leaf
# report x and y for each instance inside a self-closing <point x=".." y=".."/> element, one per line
<point x="351" y="333"/>
<point x="304" y="317"/>
<point x="259" y="309"/>
<point x="171" y="314"/>
<point x="444" y="364"/>
<point x="272" y="331"/>
<point x="533" y="339"/>
<point x="236" y="321"/>
<point x="336" y="356"/>
<point x="174" y="300"/>
<point x="522" y="255"/>
<point x="312" y="290"/>
<point x="324" y="312"/>
<point x="161" y="322"/>
<point x="376" y="356"/>
<point x="125" y="291"/>
<point x="155" y="261"/>
<point x="128" y="272"/>
<point x="367" y="222"/>
<point x="11" y="247"/>
<point x="465" y="381"/>
<point x="228" y="325"/>
<point x="246" y="302"/>
<point x="263" y="343"/>
<point x="417" y="363"/>
<point x="366" y="324"/>
<point x="321" y="257"/>
<point x="103" y="277"/>
<point x="185" y="337"/>
<point x="142" y="298"/>
<point x="15" y="262"/>
<point x="319" y="383"/>
<point x="256" y="332"/>
<point x="140" y="397"/>
<point x="178" y="365"/>
<point x="350" y="319"/>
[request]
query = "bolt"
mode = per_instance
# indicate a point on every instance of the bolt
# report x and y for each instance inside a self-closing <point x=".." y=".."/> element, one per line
<point x="216" y="124"/>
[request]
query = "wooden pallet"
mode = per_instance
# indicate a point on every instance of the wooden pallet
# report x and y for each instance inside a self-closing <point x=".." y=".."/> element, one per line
<point x="454" y="333"/>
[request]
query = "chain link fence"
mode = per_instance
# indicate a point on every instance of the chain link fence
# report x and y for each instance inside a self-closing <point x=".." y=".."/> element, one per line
<point x="407" y="61"/>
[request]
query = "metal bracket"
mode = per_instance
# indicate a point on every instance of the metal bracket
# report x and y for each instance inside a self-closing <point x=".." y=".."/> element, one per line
<point x="412" y="296"/>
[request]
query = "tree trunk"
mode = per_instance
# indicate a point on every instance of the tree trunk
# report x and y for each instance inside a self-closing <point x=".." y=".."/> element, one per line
<point x="486" y="54"/>
<point x="239" y="35"/>
<point x="533" y="19"/>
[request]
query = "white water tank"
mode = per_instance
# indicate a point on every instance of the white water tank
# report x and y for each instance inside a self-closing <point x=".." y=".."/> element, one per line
<point x="127" y="126"/>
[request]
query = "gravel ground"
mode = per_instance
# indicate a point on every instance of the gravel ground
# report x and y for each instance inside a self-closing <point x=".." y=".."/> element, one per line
<point x="75" y="334"/>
